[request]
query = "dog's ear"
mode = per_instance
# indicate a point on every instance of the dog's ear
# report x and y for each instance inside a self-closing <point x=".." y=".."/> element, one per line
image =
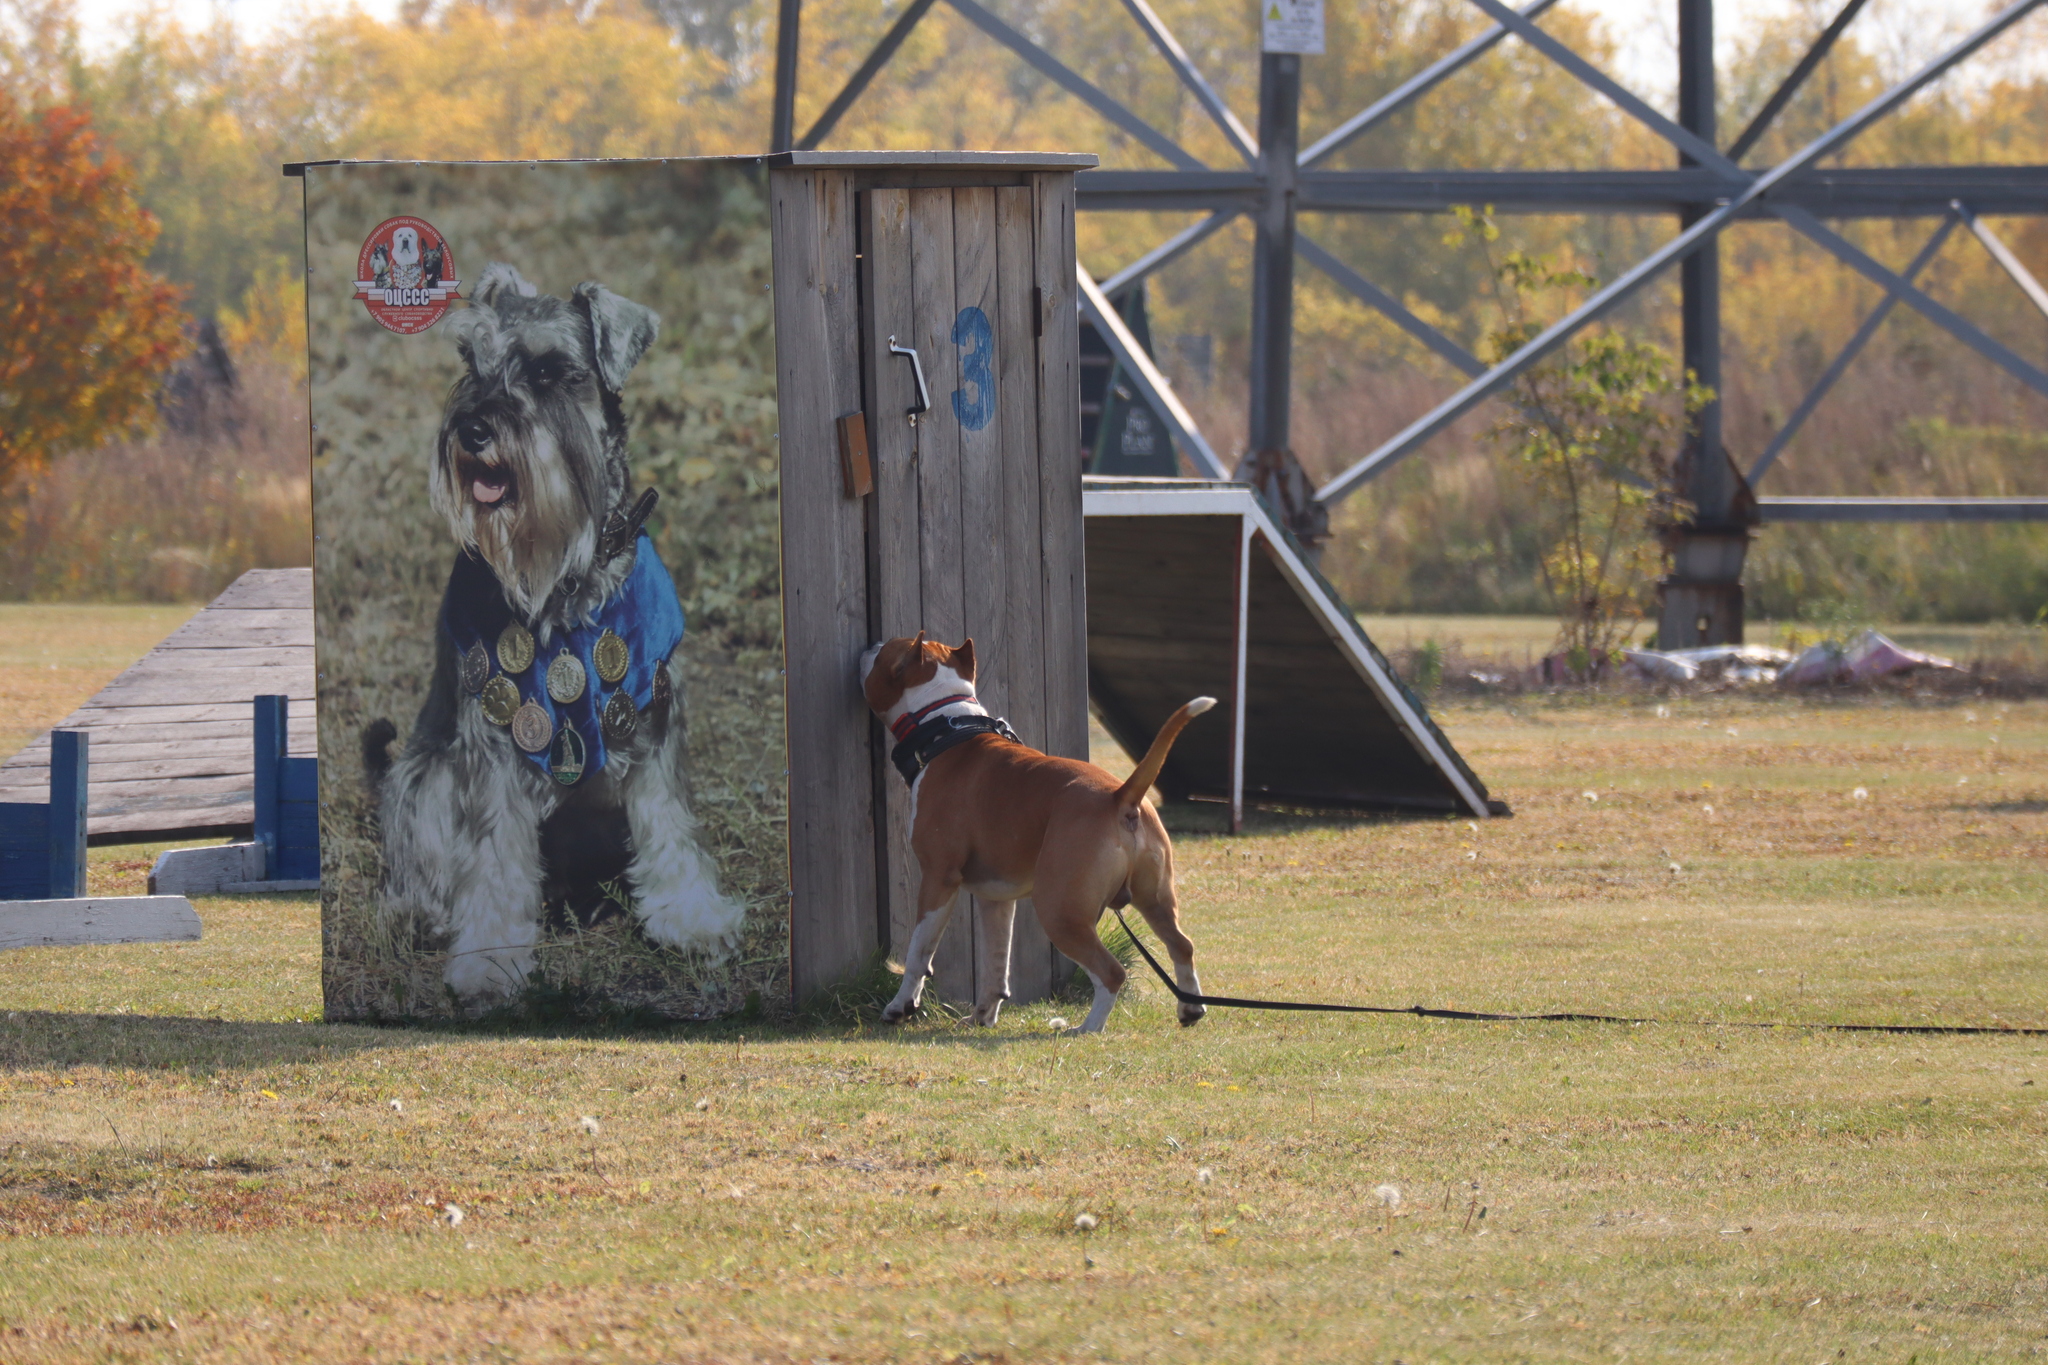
<point x="912" y="657"/>
<point x="499" y="278"/>
<point x="620" y="331"/>
<point x="963" y="660"/>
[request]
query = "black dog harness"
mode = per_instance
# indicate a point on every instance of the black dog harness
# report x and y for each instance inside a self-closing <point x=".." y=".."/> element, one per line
<point x="922" y="741"/>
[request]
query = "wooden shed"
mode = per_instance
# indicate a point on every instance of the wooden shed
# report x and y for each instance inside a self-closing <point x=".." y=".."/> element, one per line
<point x="962" y="521"/>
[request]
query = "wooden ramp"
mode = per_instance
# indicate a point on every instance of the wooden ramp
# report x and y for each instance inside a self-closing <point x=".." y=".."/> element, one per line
<point x="1193" y="589"/>
<point x="173" y="753"/>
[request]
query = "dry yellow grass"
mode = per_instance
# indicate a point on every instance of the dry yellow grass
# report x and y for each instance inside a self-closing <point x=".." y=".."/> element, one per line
<point x="174" y="1148"/>
<point x="53" y="657"/>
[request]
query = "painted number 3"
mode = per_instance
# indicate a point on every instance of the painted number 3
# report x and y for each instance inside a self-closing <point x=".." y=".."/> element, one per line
<point x="971" y="330"/>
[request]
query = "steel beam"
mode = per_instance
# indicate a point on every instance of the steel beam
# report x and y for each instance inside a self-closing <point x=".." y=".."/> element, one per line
<point x="1184" y="67"/>
<point x="1841" y="363"/>
<point x="2011" y="264"/>
<point x="1273" y="253"/>
<point x="1605" y="300"/>
<point x="1075" y="84"/>
<point x="782" y="132"/>
<point x="1412" y="89"/>
<point x="1854" y="192"/>
<point x="1109" y="324"/>
<point x="866" y="72"/>
<point x="1168" y="251"/>
<point x="1370" y="294"/>
<point x="1958" y="326"/>
<point x="1902" y="509"/>
<point x="1789" y="87"/>
<point x="1701" y="150"/>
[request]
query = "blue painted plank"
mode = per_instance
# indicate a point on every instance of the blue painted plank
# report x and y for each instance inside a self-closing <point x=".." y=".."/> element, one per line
<point x="24" y="851"/>
<point x="271" y="732"/>
<point x="69" y="754"/>
<point x="298" y="779"/>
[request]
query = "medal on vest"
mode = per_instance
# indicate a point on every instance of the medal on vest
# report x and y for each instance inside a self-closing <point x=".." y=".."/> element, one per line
<point x="612" y="657"/>
<point x="621" y="719"/>
<point x="500" y="700"/>
<point x="531" y="728"/>
<point x="565" y="678"/>
<point x="515" y="648"/>
<point x="476" y="668"/>
<point x="567" y="756"/>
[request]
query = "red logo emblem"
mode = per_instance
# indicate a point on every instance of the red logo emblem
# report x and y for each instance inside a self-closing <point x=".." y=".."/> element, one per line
<point x="405" y="275"/>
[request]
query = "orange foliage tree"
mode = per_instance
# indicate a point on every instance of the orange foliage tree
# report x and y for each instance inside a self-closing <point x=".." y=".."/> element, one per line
<point x="86" y="331"/>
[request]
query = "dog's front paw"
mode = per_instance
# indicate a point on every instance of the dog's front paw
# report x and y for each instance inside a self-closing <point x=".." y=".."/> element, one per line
<point x="487" y="977"/>
<point x="1191" y="1015"/>
<point x="694" y="916"/>
<point x="895" y="1012"/>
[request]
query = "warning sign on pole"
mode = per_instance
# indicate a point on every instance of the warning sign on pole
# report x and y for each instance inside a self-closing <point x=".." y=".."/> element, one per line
<point x="1292" y="26"/>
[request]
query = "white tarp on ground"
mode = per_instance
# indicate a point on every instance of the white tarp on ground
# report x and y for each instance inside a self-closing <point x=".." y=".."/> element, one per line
<point x="1868" y="657"/>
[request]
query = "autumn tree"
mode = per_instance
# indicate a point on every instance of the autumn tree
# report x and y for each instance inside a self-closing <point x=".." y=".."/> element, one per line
<point x="86" y="331"/>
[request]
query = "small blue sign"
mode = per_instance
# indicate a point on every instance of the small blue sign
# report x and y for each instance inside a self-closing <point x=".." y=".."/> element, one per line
<point x="971" y="330"/>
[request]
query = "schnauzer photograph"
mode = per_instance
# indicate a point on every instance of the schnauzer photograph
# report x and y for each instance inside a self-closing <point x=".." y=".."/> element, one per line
<point x="547" y="583"/>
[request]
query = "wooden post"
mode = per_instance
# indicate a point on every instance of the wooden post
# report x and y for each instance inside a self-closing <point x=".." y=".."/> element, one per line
<point x="270" y="750"/>
<point x="68" y="759"/>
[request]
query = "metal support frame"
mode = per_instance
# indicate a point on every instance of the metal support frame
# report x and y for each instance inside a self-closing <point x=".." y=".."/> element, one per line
<point x="1706" y="191"/>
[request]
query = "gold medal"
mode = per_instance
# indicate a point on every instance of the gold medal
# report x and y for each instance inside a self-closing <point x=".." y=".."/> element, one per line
<point x="476" y="668"/>
<point x="663" y="688"/>
<point x="500" y="700"/>
<point x="612" y="657"/>
<point x="621" y="719"/>
<point x="531" y="728"/>
<point x="566" y="759"/>
<point x="515" y="648"/>
<point x="565" y="678"/>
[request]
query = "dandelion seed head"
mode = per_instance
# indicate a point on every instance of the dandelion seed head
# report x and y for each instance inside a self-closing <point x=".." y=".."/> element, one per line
<point x="1388" y="1195"/>
<point x="1204" y="1176"/>
<point x="589" y="1125"/>
<point x="1663" y="713"/>
<point x="1708" y="808"/>
<point x="1057" y="1024"/>
<point x="702" y="1105"/>
<point x="1860" y="794"/>
<point x="1590" y="795"/>
<point x="1676" y="868"/>
<point x="1086" y="1222"/>
<point x="451" y="1215"/>
<point x="398" y="1106"/>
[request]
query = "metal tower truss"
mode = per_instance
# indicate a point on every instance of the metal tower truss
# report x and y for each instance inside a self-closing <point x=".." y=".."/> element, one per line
<point x="1707" y="190"/>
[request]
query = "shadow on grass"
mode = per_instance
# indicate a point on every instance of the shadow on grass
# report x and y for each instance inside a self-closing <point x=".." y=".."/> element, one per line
<point x="36" y="1039"/>
<point x="1211" y="819"/>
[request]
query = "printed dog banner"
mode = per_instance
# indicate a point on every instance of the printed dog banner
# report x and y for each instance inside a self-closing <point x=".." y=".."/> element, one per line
<point x="547" y="588"/>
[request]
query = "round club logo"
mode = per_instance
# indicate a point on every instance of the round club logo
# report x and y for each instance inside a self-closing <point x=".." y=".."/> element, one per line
<point x="405" y="275"/>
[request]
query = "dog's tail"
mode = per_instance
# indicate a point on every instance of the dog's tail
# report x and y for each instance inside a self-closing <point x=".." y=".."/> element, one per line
<point x="1133" y="791"/>
<point x="377" y="737"/>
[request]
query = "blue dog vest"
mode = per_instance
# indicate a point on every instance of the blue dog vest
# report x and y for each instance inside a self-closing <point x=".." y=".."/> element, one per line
<point x="644" y="612"/>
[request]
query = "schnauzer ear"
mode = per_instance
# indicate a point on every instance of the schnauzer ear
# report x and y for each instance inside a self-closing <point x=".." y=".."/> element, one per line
<point x="620" y="331"/>
<point x="499" y="278"/>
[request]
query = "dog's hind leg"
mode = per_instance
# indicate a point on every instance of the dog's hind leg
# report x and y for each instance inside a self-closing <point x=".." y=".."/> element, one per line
<point x="1152" y="892"/>
<point x="998" y="923"/>
<point x="935" y="901"/>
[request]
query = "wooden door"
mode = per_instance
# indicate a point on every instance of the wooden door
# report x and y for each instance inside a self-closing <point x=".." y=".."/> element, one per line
<point x="974" y="525"/>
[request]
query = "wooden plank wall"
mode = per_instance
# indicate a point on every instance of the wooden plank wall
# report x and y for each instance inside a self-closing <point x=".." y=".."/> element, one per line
<point x="961" y="532"/>
<point x="172" y="752"/>
<point x="824" y="581"/>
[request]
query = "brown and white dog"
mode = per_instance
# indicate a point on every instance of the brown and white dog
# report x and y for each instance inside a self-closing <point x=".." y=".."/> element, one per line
<point x="1006" y="821"/>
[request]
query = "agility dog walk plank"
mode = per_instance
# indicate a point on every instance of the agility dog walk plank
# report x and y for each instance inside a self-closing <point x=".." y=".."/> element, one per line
<point x="1193" y="589"/>
<point x="172" y="755"/>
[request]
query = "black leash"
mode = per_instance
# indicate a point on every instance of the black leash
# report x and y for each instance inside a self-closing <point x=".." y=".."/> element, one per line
<point x="1480" y="1016"/>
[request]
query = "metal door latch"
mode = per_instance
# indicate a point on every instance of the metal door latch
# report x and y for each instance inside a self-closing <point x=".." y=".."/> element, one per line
<point x="924" y="394"/>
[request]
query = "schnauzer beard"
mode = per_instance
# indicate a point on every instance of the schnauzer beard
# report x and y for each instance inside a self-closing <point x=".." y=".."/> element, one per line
<point x="548" y="528"/>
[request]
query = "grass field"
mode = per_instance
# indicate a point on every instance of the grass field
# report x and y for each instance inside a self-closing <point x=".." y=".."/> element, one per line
<point x="178" y="1147"/>
<point x="53" y="657"/>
